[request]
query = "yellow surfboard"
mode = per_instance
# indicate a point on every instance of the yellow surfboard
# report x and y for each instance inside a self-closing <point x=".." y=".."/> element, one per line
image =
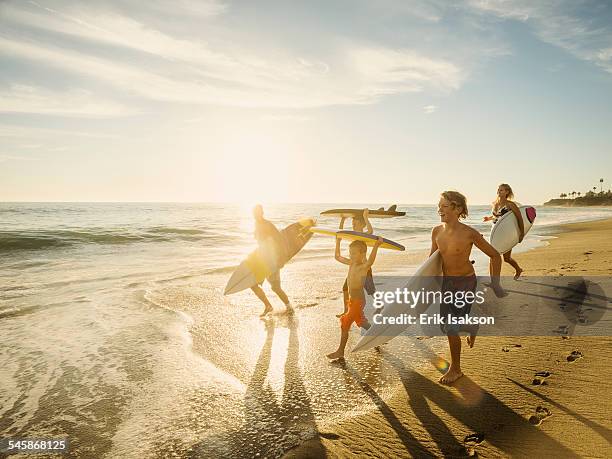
<point x="369" y="239"/>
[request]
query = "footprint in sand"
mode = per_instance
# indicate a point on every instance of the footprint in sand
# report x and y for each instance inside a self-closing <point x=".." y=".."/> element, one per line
<point x="541" y="413"/>
<point x="539" y="378"/>
<point x="507" y="348"/>
<point x="471" y="441"/>
<point x="575" y="355"/>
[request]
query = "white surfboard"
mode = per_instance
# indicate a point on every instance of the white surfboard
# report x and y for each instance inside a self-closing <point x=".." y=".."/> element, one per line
<point x="428" y="277"/>
<point x="505" y="232"/>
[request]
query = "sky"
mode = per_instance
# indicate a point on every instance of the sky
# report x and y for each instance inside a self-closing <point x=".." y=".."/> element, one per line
<point x="307" y="101"/>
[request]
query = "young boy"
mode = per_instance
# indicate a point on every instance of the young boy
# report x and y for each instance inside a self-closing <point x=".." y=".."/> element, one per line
<point x="358" y="272"/>
<point x="361" y="223"/>
<point x="454" y="240"/>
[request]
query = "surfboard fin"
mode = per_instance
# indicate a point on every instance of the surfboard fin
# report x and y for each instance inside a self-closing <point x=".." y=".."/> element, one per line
<point x="392" y="208"/>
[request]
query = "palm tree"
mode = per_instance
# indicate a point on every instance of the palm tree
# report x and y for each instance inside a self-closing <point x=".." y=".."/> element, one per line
<point x="579" y="193"/>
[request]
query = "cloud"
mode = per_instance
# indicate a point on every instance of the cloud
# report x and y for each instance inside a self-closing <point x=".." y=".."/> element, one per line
<point x="154" y="65"/>
<point x="562" y="23"/>
<point x="29" y="99"/>
<point x="286" y="117"/>
<point x="5" y="158"/>
<point x="429" y="109"/>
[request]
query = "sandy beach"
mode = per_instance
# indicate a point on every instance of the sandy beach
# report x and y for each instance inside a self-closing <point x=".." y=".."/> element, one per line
<point x="488" y="411"/>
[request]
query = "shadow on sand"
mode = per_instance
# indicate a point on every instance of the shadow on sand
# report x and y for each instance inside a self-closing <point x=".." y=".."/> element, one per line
<point x="480" y="411"/>
<point x="271" y="426"/>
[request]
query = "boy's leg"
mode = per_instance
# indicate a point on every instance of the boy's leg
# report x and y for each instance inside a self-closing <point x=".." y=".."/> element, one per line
<point x="454" y="371"/>
<point x="339" y="354"/>
<point x="264" y="299"/>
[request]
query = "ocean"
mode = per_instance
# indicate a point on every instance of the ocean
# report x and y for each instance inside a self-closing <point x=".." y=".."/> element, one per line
<point x="114" y="331"/>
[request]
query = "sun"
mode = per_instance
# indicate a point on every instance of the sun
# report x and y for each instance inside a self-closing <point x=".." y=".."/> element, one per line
<point x="249" y="169"/>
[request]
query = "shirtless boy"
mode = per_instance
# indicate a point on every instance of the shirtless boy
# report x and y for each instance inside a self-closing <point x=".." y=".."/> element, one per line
<point x="361" y="223"/>
<point x="454" y="240"/>
<point x="359" y="266"/>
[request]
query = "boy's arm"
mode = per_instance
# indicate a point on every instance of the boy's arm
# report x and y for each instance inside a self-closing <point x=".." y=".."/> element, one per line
<point x="496" y="261"/>
<point x="434" y="244"/>
<point x="339" y="257"/>
<point x="374" y="251"/>
<point x="519" y="219"/>
<point x="366" y="213"/>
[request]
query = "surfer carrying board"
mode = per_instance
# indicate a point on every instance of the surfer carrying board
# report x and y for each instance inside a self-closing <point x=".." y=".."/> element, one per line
<point x="359" y="266"/>
<point x="361" y="223"/>
<point x="454" y="240"/>
<point x="504" y="204"/>
<point x="270" y="241"/>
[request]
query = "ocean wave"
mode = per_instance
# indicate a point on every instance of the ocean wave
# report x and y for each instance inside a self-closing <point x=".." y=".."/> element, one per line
<point x="11" y="241"/>
<point x="168" y="230"/>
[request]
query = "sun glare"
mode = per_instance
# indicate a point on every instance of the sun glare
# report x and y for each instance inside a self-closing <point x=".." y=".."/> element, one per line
<point x="250" y="168"/>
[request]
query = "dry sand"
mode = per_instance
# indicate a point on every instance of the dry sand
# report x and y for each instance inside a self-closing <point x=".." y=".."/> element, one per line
<point x="488" y="411"/>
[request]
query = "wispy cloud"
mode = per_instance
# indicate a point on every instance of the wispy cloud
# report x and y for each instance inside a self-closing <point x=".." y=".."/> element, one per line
<point x="429" y="109"/>
<point x="5" y="158"/>
<point x="562" y="23"/>
<point x="192" y="70"/>
<point x="19" y="98"/>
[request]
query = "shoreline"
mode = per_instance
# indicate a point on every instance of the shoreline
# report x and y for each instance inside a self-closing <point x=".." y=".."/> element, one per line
<point x="425" y="418"/>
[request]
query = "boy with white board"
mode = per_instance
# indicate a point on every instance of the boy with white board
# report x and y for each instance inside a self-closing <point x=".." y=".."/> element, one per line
<point x="454" y="240"/>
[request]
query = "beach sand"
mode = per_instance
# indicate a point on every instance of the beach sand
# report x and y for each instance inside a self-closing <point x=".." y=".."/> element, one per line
<point x="491" y="411"/>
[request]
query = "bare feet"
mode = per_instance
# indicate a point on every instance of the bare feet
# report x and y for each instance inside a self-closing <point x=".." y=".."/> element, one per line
<point x="470" y="340"/>
<point x="335" y="355"/>
<point x="266" y="311"/>
<point x="518" y="273"/>
<point x="451" y="376"/>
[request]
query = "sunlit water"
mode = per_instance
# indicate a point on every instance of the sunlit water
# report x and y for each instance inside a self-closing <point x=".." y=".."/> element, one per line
<point x="114" y="330"/>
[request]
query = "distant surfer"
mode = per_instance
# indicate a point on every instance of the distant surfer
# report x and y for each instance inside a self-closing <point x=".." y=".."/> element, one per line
<point x="502" y="205"/>
<point x="359" y="266"/>
<point x="361" y="223"/>
<point x="272" y="243"/>
<point x="454" y="240"/>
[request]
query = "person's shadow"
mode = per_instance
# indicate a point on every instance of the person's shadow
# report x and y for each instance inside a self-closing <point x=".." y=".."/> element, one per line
<point x="477" y="409"/>
<point x="272" y="427"/>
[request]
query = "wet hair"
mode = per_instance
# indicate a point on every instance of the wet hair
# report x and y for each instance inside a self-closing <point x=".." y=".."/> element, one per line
<point x="359" y="220"/>
<point x="510" y="196"/>
<point x="509" y="188"/>
<point x="457" y="200"/>
<point x="359" y="245"/>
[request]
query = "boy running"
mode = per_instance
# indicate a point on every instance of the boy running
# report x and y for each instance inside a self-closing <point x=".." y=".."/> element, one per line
<point x="454" y="240"/>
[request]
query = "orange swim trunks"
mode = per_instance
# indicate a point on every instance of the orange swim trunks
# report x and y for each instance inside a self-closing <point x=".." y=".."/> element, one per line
<point x="354" y="314"/>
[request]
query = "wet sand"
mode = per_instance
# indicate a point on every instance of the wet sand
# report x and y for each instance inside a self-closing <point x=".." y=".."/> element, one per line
<point x="501" y="406"/>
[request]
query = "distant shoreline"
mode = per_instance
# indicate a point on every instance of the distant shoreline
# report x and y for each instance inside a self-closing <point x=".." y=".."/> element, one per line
<point x="605" y="201"/>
